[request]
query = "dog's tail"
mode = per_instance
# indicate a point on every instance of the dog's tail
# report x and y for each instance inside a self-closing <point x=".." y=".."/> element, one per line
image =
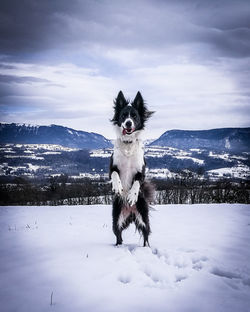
<point x="148" y="190"/>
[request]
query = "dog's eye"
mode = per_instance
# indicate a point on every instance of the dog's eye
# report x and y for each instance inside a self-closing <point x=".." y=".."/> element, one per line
<point x="133" y="116"/>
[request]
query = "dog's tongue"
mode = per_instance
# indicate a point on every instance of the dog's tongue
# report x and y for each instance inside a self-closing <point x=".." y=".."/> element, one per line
<point x="127" y="131"/>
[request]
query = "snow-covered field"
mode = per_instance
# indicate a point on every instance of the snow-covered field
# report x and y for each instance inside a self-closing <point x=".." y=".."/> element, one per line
<point x="63" y="259"/>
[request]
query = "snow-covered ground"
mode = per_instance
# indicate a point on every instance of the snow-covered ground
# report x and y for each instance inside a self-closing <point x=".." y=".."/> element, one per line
<point x="241" y="172"/>
<point x="63" y="259"/>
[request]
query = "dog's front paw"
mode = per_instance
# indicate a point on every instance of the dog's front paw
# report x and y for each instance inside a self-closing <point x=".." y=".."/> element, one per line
<point x="132" y="198"/>
<point x="133" y="193"/>
<point x="116" y="184"/>
<point x="117" y="188"/>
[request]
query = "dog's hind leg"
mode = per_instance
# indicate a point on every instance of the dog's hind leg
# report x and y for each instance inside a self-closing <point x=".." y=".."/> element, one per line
<point x="117" y="207"/>
<point x="142" y="219"/>
<point x="145" y="232"/>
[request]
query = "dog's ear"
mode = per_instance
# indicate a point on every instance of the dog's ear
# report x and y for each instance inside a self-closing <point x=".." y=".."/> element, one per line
<point x="141" y="107"/>
<point x="138" y="102"/>
<point x="120" y="102"/>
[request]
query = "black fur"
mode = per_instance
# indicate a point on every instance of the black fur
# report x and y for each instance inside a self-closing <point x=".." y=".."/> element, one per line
<point x="142" y="208"/>
<point x="119" y="104"/>
<point x="117" y="208"/>
<point x="140" y="105"/>
<point x="112" y="167"/>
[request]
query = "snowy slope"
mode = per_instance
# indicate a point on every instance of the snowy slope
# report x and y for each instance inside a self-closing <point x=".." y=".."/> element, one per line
<point x="198" y="260"/>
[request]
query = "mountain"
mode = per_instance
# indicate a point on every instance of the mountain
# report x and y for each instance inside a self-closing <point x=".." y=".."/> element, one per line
<point x="224" y="139"/>
<point x="53" y="134"/>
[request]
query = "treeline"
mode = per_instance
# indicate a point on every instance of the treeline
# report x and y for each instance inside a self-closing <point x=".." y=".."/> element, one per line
<point x="186" y="189"/>
<point x="55" y="191"/>
<point x="202" y="192"/>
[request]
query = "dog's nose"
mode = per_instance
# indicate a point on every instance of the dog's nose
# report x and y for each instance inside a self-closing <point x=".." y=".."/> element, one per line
<point x="128" y="124"/>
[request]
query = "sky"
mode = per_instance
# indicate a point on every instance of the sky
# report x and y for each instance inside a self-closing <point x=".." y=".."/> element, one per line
<point x="63" y="62"/>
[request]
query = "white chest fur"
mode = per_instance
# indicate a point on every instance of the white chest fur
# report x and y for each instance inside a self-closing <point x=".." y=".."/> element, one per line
<point x="129" y="158"/>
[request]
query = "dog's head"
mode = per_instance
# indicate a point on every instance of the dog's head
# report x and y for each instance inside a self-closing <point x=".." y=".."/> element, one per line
<point x="130" y="117"/>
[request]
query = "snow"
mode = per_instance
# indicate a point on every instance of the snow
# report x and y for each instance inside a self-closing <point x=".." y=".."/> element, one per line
<point x="62" y="258"/>
<point x="29" y="157"/>
<point x="196" y="160"/>
<point x="159" y="151"/>
<point x="103" y="153"/>
<point x="197" y="150"/>
<point x="159" y="173"/>
<point x="51" y="153"/>
<point x="227" y="144"/>
<point x="225" y="157"/>
<point x="92" y="176"/>
<point x="69" y="131"/>
<point x="30" y="148"/>
<point x="33" y="167"/>
<point x="240" y="171"/>
<point x="36" y="167"/>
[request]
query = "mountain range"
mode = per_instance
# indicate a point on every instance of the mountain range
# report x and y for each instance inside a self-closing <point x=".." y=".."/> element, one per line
<point x="53" y="134"/>
<point x="223" y="139"/>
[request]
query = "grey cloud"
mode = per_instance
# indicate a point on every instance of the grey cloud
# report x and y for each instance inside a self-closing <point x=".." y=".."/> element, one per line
<point x="223" y="14"/>
<point x="7" y="66"/>
<point x="21" y="79"/>
<point x="27" y="25"/>
<point x="54" y="85"/>
<point x="7" y="90"/>
<point x="229" y="43"/>
<point x="33" y="26"/>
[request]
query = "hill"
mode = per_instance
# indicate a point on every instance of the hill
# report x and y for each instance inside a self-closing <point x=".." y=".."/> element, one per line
<point x="223" y="139"/>
<point x="53" y="134"/>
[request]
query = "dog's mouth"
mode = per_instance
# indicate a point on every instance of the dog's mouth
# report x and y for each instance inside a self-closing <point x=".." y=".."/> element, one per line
<point x="127" y="130"/>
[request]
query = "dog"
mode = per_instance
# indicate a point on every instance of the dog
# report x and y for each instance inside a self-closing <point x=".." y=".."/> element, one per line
<point x="127" y="168"/>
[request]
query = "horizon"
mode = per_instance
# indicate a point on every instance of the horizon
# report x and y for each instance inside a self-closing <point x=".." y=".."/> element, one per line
<point x="65" y="64"/>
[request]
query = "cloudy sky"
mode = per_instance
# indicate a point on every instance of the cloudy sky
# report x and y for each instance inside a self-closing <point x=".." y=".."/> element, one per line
<point x="63" y="62"/>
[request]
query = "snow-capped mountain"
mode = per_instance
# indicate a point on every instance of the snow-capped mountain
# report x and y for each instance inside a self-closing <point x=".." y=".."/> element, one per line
<point x="224" y="139"/>
<point x="53" y="134"/>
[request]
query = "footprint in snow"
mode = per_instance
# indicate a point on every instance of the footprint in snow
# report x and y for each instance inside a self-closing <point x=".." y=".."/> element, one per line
<point x="125" y="279"/>
<point x="161" y="268"/>
<point x="178" y="265"/>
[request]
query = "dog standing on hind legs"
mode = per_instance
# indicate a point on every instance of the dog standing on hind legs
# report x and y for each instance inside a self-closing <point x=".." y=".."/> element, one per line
<point x="127" y="168"/>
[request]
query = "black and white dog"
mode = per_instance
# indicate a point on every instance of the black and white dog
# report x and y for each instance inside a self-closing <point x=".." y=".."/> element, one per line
<point x="127" y="168"/>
